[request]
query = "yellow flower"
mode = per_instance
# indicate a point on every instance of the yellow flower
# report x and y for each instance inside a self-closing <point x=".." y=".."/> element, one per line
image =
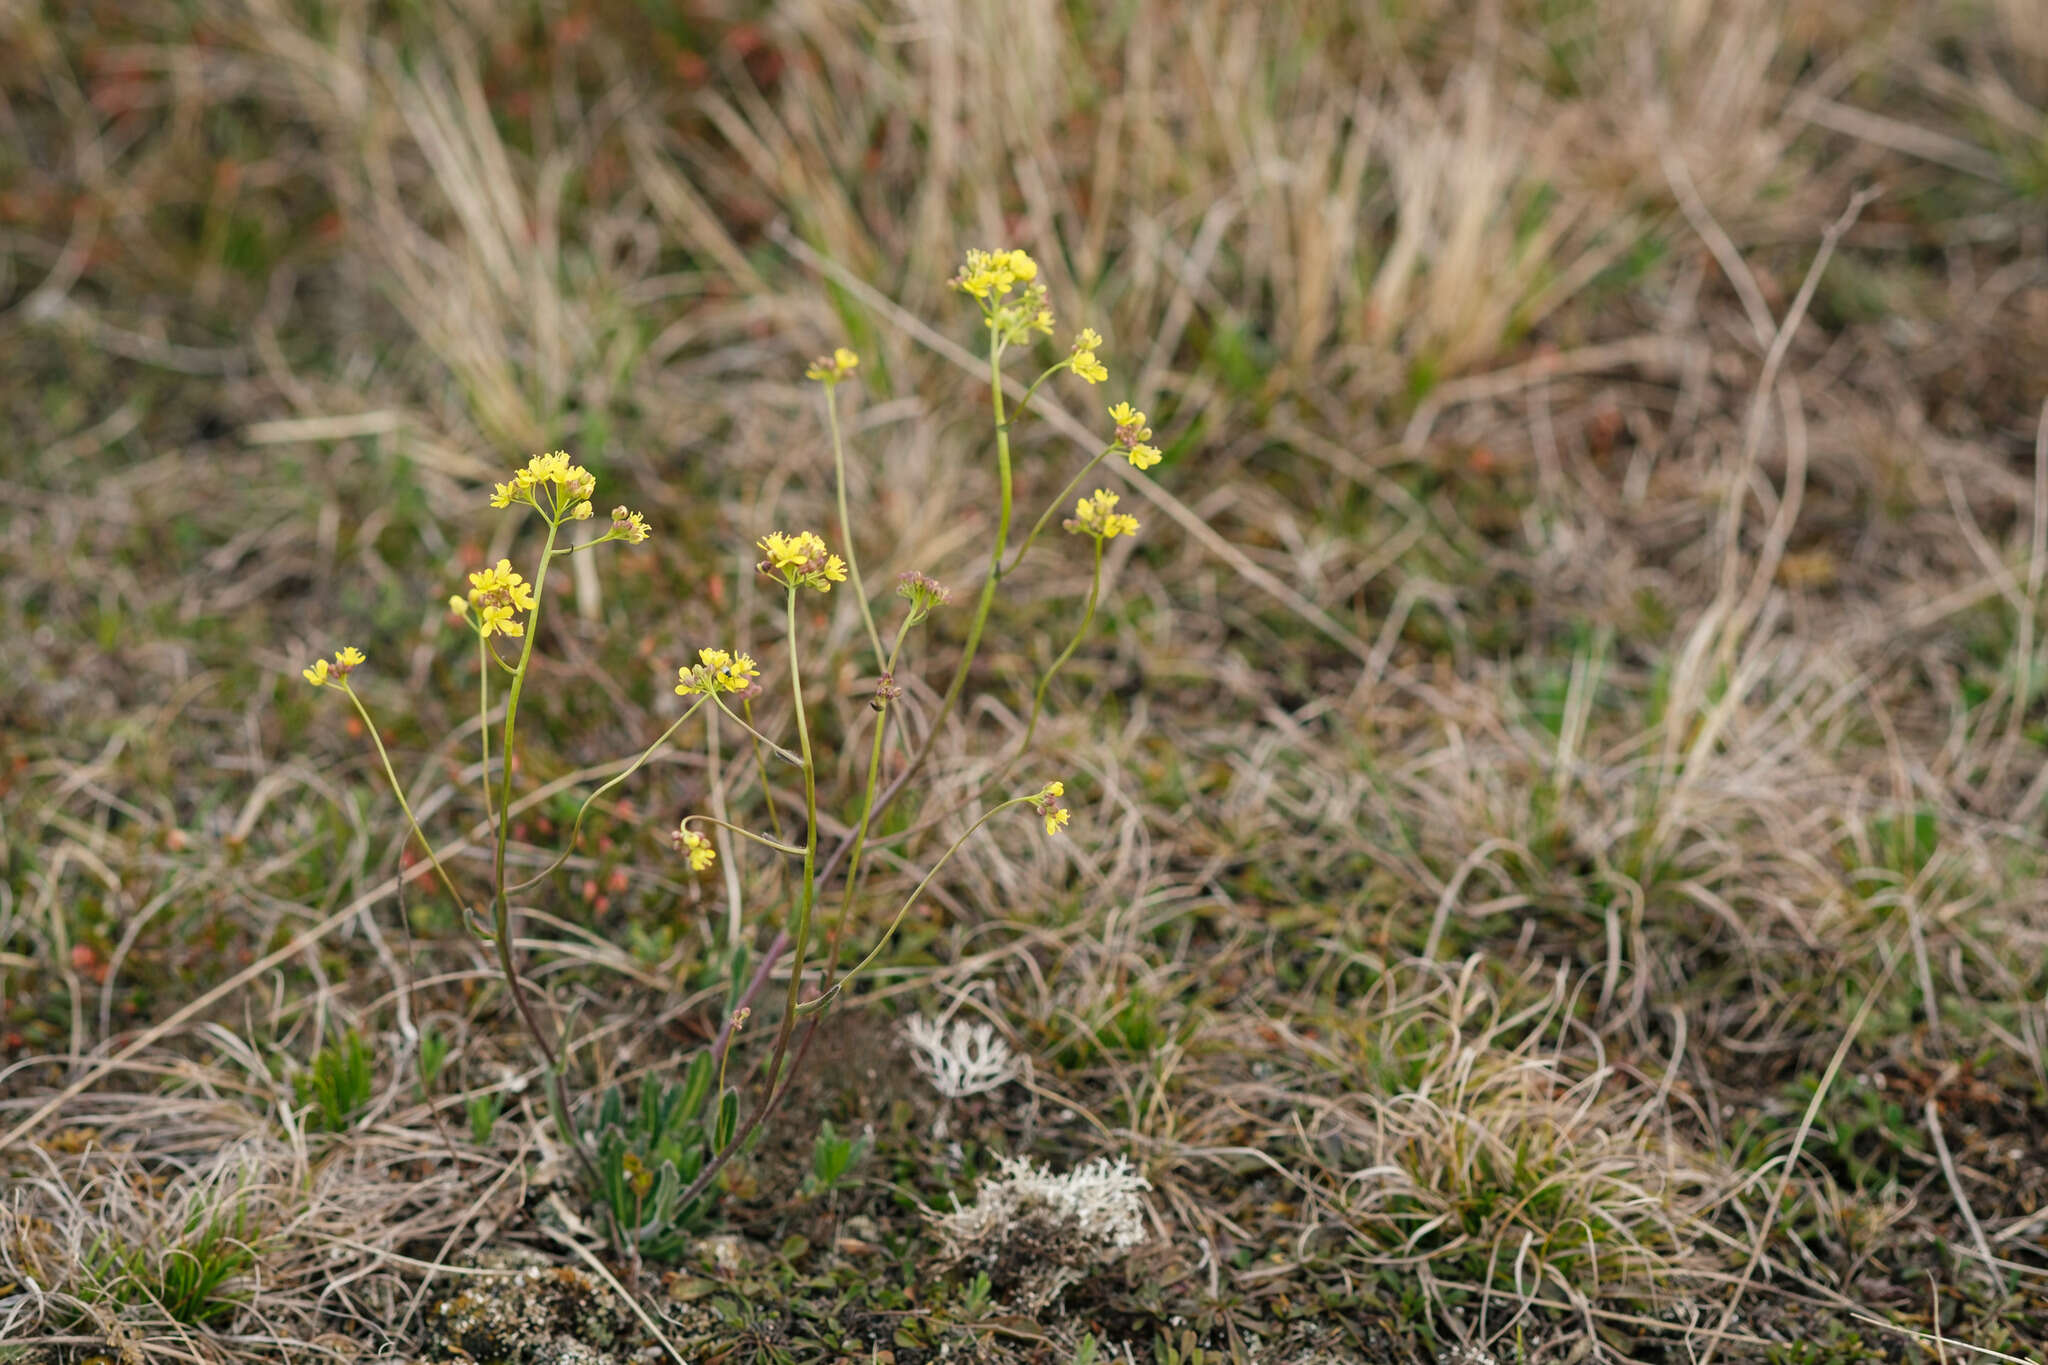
<point x="718" y="670"/>
<point x="552" y="468"/>
<point x="458" y="605"/>
<point x="1130" y="426"/>
<point x="499" y="594"/>
<point x="830" y="369"/>
<point x="630" y="527"/>
<point x="320" y="673"/>
<point x="569" y="485"/>
<point x="1049" y="806"/>
<point x="702" y="854"/>
<point x="801" y="560"/>
<point x="1142" y="456"/>
<point x="1097" y="516"/>
<point x="582" y="511"/>
<point x="497" y="620"/>
<point x="996" y="273"/>
<point x="1087" y="367"/>
<point x="1087" y="339"/>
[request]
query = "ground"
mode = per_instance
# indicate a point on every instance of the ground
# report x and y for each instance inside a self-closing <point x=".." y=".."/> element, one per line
<point x="1558" y="779"/>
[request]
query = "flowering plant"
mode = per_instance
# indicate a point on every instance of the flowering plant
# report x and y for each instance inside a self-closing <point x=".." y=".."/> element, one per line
<point x="503" y="608"/>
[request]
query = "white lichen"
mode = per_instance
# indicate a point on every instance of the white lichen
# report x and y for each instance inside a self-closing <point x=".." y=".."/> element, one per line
<point x="962" y="1058"/>
<point x="1036" y="1232"/>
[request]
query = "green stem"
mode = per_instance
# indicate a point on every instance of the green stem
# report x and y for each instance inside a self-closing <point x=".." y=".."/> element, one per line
<point x="867" y="810"/>
<point x="569" y="846"/>
<point x="391" y="776"/>
<point x="1052" y="509"/>
<point x="759" y="738"/>
<point x="1025" y="401"/>
<point x="818" y="1002"/>
<point x="801" y="913"/>
<point x="483" y="718"/>
<point x="761" y="765"/>
<point x="860" y="593"/>
<point x="1038" y="699"/>
<point x="501" y="905"/>
<point x="981" y="606"/>
<point x="995" y="560"/>
<point x="763" y="840"/>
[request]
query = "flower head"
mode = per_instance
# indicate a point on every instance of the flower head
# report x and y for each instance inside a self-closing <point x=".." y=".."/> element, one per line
<point x="1081" y="356"/>
<point x="922" y="593"/>
<point x="568" y="486"/>
<point x="1049" y="806"/>
<point x="630" y="527"/>
<point x="990" y="277"/>
<point x="717" y="671"/>
<point x="886" y="691"/>
<point x="500" y="597"/>
<point x="699" y="849"/>
<point x="801" y="560"/>
<point x="830" y="369"/>
<point x="321" y="673"/>
<point x="994" y="273"/>
<point x="1097" y="516"/>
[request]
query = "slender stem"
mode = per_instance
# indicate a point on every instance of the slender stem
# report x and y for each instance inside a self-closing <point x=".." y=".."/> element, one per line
<point x="501" y="906"/>
<point x="483" y="719"/>
<point x="763" y="840"/>
<point x="860" y="593"/>
<point x="995" y="560"/>
<point x="818" y="1002"/>
<point x="867" y="810"/>
<point x="1038" y="699"/>
<point x="981" y="606"/>
<point x="1053" y="507"/>
<point x="801" y="913"/>
<point x="735" y="905"/>
<point x="391" y="776"/>
<point x="760" y="763"/>
<point x="780" y="752"/>
<point x="569" y="846"/>
<point x="760" y="978"/>
<point x="1025" y="401"/>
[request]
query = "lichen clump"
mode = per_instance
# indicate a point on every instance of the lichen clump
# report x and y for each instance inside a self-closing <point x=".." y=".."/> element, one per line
<point x="1034" y="1232"/>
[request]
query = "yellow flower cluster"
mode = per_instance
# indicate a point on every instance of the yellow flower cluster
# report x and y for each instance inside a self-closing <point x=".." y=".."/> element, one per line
<point x="994" y="273"/>
<point x="500" y="596"/>
<point x="990" y="276"/>
<point x="1097" y="516"/>
<point x="801" y="560"/>
<point x="702" y="854"/>
<point x="1131" y="435"/>
<point x="1081" y="359"/>
<point x="716" y="671"/>
<point x="630" y="527"/>
<point x="346" y="661"/>
<point x="569" y="486"/>
<point x="830" y="369"/>
<point x="1048" y="804"/>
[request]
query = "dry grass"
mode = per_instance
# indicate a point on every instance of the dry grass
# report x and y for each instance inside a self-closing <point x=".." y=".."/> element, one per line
<point x="1562" y="848"/>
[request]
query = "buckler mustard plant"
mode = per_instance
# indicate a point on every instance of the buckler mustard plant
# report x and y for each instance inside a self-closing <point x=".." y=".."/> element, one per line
<point x="649" y="1189"/>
